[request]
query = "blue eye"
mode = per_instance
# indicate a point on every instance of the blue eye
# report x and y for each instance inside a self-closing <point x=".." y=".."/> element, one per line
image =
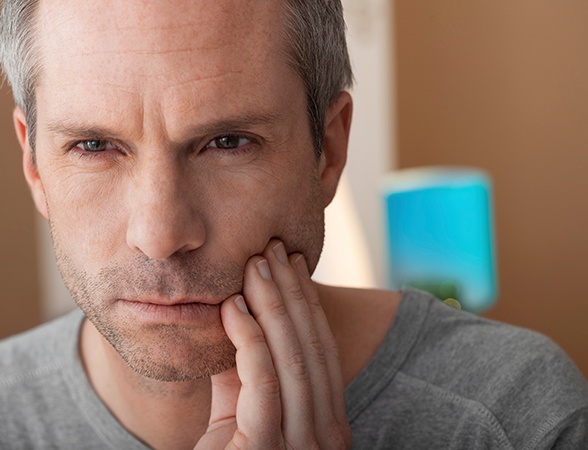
<point x="229" y="142"/>
<point x="95" y="145"/>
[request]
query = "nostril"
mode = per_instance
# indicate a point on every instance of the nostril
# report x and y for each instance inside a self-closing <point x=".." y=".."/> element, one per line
<point x="159" y="235"/>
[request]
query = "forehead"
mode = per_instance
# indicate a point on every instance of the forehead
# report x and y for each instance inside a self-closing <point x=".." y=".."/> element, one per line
<point x="157" y="46"/>
<point x="157" y="26"/>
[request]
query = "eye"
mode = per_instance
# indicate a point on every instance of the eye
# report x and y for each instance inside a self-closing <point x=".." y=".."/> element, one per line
<point x="95" y="145"/>
<point x="229" y="142"/>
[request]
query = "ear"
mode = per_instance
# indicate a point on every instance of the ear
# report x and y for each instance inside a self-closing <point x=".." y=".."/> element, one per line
<point x="29" y="165"/>
<point x="334" y="156"/>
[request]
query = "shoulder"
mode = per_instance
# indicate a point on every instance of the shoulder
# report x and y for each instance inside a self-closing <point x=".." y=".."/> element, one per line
<point x="518" y="379"/>
<point x="39" y="348"/>
<point x="463" y="346"/>
<point x="34" y="390"/>
<point x="31" y="363"/>
<point x="46" y="401"/>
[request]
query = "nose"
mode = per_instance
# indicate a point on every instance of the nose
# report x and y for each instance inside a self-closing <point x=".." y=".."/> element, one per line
<point x="164" y="218"/>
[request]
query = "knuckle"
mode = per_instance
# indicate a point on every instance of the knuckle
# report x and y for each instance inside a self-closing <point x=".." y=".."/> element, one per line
<point x="297" y="365"/>
<point x="332" y="346"/>
<point x="265" y="381"/>
<point x="314" y="304"/>
<point x="295" y="292"/>
<point x="268" y="382"/>
<point x="277" y="308"/>
<point x="256" y="340"/>
<point x="317" y="349"/>
<point x="332" y="349"/>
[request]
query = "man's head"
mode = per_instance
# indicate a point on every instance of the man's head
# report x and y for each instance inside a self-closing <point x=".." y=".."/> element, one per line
<point x="316" y="48"/>
<point x="171" y="145"/>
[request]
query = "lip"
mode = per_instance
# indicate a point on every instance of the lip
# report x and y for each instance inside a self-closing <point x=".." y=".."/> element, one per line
<point x="184" y="311"/>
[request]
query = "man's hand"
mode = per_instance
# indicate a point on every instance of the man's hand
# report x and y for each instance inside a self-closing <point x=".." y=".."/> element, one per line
<point x="286" y="391"/>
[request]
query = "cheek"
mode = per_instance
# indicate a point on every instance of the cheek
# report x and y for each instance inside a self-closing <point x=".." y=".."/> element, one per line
<point x="289" y="209"/>
<point x="245" y="220"/>
<point x="85" y="218"/>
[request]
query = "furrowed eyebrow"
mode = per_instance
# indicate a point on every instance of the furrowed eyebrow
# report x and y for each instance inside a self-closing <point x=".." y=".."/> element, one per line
<point x="234" y="123"/>
<point x="74" y="129"/>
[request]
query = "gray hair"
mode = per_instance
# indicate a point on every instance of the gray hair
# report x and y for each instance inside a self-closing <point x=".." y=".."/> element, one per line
<point x="315" y="35"/>
<point x="317" y="49"/>
<point x="17" y="55"/>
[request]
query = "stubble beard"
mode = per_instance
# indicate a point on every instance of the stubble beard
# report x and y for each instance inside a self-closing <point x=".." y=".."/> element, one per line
<point x="163" y="352"/>
<point x="175" y="353"/>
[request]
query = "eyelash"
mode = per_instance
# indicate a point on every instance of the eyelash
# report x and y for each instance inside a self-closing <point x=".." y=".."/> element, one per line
<point x="113" y="146"/>
<point x="239" y="137"/>
<point x="77" y="148"/>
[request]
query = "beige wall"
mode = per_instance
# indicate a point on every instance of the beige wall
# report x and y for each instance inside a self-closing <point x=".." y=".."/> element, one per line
<point x="19" y="302"/>
<point x="503" y="85"/>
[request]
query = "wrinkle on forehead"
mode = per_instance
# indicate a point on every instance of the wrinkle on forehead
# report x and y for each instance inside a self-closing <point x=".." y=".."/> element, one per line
<point x="154" y="27"/>
<point x="133" y="38"/>
<point x="159" y="69"/>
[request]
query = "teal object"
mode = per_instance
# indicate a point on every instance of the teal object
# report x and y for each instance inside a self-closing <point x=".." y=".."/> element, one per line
<point x="440" y="233"/>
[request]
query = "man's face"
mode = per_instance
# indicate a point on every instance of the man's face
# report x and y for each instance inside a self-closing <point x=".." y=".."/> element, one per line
<point x="172" y="144"/>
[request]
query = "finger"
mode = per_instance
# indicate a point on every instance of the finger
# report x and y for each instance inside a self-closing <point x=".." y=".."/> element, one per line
<point x="330" y="347"/>
<point x="225" y="391"/>
<point x="222" y="423"/>
<point x="296" y="301"/>
<point x="317" y="341"/>
<point x="258" y="408"/>
<point x="266" y="303"/>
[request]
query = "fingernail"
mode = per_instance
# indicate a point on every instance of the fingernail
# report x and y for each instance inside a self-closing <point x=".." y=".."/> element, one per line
<point x="280" y="252"/>
<point x="300" y="264"/>
<point x="240" y="303"/>
<point x="263" y="269"/>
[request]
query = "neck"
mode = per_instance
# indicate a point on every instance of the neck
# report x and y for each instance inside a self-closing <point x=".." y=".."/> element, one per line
<point x="175" y="415"/>
<point x="163" y="414"/>
<point x="350" y="313"/>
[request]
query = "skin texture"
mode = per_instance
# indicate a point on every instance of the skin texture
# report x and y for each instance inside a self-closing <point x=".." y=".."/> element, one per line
<point x="163" y="237"/>
<point x="165" y="219"/>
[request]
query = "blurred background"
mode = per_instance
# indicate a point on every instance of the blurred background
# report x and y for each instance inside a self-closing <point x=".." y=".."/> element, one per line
<point x="500" y="85"/>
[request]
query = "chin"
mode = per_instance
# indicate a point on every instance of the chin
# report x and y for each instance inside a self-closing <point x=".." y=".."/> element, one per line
<point x="173" y="353"/>
<point x="167" y="369"/>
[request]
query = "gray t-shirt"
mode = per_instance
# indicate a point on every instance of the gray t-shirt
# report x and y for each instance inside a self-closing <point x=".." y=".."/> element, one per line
<point x="442" y="379"/>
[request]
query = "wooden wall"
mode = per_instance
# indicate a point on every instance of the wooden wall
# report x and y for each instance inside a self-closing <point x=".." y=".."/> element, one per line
<point x="19" y="300"/>
<point x="503" y="85"/>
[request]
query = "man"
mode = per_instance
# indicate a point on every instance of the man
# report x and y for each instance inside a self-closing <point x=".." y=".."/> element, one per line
<point x="183" y="153"/>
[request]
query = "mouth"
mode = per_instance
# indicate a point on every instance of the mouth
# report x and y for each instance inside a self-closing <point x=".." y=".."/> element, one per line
<point x="171" y="311"/>
<point x="173" y="301"/>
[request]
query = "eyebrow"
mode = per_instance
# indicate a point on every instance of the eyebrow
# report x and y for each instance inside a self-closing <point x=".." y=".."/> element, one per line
<point x="75" y="129"/>
<point x="235" y="123"/>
